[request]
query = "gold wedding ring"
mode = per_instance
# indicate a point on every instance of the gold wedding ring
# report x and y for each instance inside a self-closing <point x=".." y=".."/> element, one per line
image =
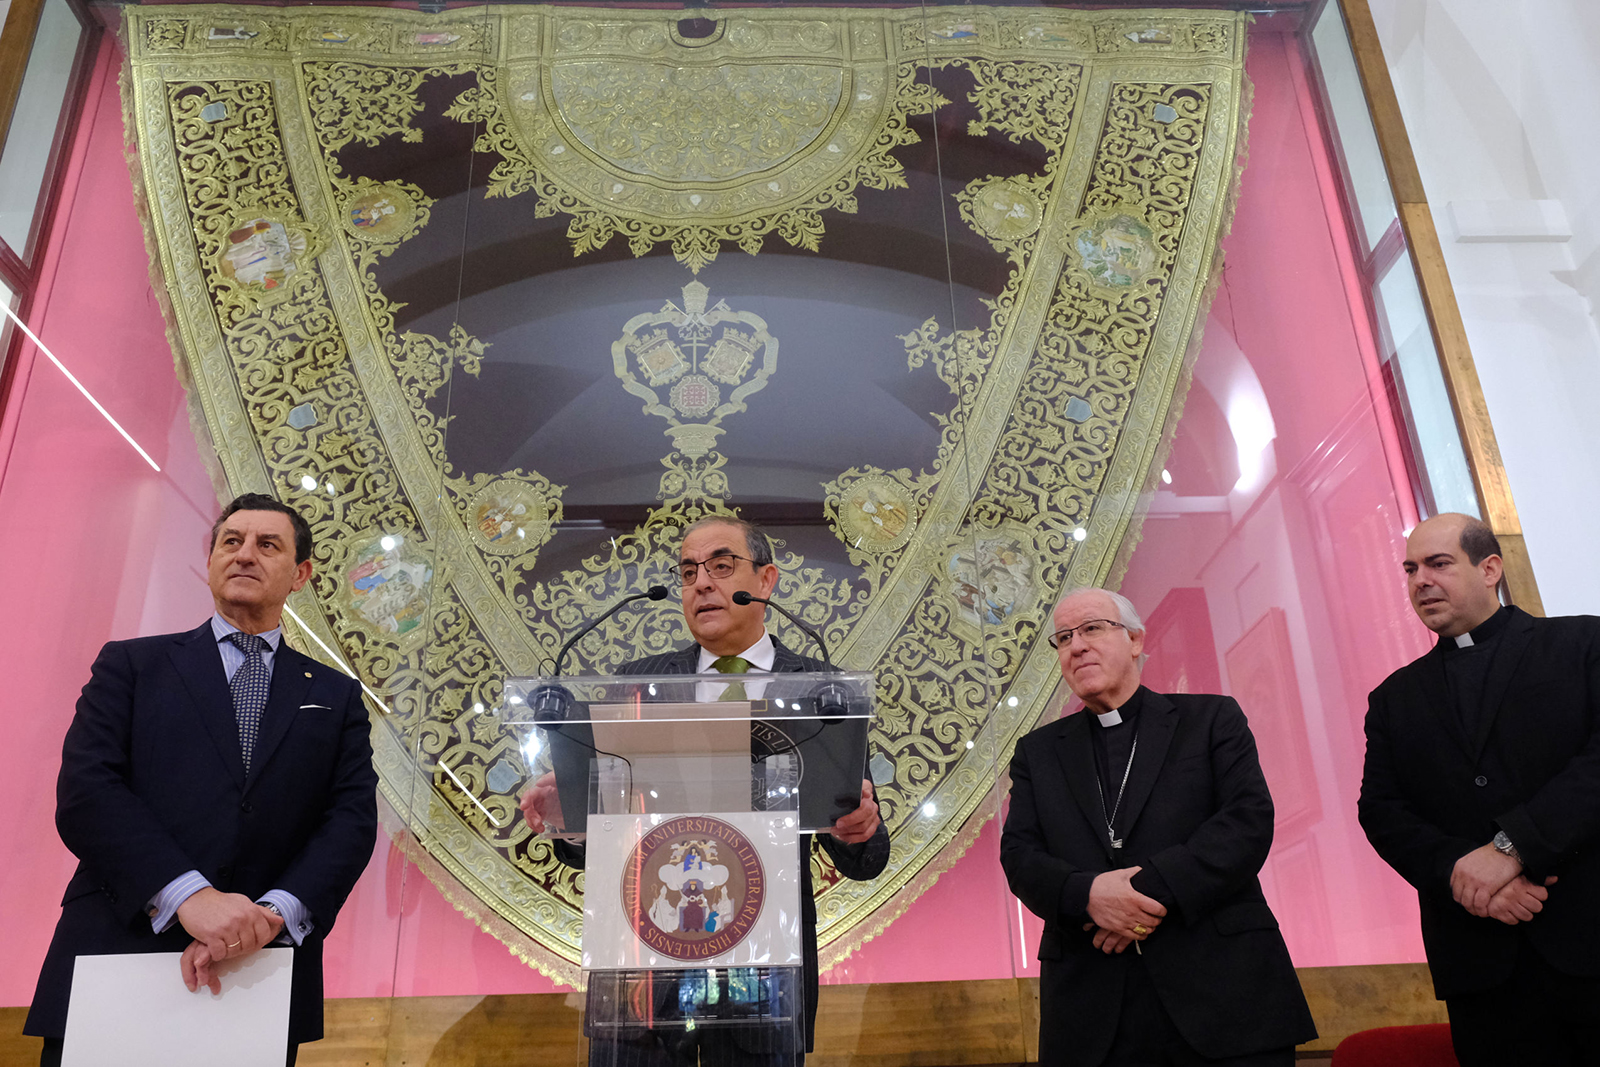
<point x="1140" y="930"/>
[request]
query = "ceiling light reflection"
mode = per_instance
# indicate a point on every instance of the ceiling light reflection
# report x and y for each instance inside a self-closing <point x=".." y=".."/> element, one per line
<point x="62" y="367"/>
<point x="338" y="661"/>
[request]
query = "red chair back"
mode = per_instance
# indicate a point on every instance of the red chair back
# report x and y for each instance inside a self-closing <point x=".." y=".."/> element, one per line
<point x="1397" y="1046"/>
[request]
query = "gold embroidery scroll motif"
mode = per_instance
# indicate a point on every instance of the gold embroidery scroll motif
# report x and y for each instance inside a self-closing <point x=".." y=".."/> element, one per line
<point x="336" y="194"/>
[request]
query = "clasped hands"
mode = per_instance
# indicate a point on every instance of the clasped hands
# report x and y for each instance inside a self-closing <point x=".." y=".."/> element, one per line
<point x="1121" y="914"/>
<point x="539" y="805"/>
<point x="1491" y="885"/>
<point x="224" y="926"/>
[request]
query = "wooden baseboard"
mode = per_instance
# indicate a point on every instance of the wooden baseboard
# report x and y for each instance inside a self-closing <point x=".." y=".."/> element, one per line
<point x="899" y="1024"/>
<point x="1346" y="1000"/>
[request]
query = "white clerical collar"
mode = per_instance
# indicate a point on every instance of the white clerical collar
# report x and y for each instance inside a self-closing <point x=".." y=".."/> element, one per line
<point x="1464" y="641"/>
<point x="761" y="656"/>
<point x="1110" y="718"/>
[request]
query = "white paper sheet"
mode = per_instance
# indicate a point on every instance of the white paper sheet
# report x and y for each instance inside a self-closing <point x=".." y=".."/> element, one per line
<point x="134" y="1011"/>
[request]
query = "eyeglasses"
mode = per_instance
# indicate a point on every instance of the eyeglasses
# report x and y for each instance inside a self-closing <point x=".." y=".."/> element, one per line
<point x="1092" y="630"/>
<point x="717" y="566"/>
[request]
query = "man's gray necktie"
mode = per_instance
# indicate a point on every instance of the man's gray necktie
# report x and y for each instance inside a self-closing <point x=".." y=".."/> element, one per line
<point x="250" y="686"/>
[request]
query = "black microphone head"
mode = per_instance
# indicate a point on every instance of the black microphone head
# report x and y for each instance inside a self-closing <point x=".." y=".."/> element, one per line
<point x="833" y="702"/>
<point x="657" y="592"/>
<point x="742" y="597"/>
<point x="551" y="703"/>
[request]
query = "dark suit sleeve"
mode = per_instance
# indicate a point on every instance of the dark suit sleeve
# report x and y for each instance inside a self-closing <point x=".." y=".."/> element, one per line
<point x="860" y="862"/>
<point x="327" y="866"/>
<point x="1227" y="850"/>
<point x="1421" y="852"/>
<point x="111" y="830"/>
<point x="1564" y="814"/>
<point x="1052" y="888"/>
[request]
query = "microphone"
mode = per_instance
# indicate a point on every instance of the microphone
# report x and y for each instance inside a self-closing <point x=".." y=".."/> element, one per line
<point x="833" y="699"/>
<point x="553" y="703"/>
<point x="741" y="598"/>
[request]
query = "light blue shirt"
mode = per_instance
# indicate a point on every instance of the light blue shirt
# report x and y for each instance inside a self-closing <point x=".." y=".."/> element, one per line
<point x="163" y="907"/>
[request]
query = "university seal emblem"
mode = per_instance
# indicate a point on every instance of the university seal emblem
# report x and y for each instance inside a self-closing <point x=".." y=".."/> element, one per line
<point x="693" y="887"/>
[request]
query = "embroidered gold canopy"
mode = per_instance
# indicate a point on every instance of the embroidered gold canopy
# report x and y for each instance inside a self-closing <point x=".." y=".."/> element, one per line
<point x="496" y="297"/>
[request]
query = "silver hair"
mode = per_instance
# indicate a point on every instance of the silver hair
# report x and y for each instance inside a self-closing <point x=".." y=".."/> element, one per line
<point x="1128" y="614"/>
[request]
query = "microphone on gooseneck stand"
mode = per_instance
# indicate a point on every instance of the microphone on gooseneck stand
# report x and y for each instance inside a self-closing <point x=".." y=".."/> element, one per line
<point x="553" y="703"/>
<point x="833" y="699"/>
<point x="741" y="598"/>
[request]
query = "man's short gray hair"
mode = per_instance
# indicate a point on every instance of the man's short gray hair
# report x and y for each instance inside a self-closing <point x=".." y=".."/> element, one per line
<point x="755" y="538"/>
<point x="1128" y="615"/>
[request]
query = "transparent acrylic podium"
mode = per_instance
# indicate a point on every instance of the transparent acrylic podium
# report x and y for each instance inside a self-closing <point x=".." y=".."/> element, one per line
<point x="686" y="799"/>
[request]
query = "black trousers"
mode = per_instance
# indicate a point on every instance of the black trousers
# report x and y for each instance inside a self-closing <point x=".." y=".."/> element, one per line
<point x="1540" y="1016"/>
<point x="51" y="1056"/>
<point x="1147" y="1037"/>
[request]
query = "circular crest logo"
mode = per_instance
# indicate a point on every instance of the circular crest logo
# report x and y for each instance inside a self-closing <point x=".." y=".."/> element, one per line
<point x="693" y="887"/>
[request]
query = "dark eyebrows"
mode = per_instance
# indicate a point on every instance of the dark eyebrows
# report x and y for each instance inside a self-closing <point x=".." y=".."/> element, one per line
<point x="230" y="531"/>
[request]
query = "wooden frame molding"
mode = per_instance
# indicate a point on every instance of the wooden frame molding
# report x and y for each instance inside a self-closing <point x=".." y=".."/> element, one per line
<point x="1444" y="315"/>
<point x="16" y="43"/>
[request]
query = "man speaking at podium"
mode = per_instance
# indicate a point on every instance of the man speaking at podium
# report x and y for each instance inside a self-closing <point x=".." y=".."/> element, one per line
<point x="721" y="556"/>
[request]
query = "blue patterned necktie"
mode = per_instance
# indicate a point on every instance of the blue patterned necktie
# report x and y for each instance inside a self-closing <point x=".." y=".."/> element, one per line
<point x="250" y="686"/>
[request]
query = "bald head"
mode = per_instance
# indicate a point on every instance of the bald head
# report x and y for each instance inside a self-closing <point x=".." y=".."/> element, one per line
<point x="1453" y="569"/>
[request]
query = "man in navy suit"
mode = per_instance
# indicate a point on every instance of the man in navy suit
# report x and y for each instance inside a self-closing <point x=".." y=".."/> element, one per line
<point x="216" y="787"/>
<point x="1142" y="822"/>
<point x="719" y="557"/>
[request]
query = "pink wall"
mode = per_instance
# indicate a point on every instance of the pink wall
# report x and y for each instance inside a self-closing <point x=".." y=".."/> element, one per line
<point x="1298" y="577"/>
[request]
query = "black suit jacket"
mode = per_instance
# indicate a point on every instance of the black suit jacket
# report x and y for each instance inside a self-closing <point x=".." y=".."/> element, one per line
<point x="1429" y="795"/>
<point x="1198" y="813"/>
<point x="152" y="784"/>
<point x="858" y="862"/>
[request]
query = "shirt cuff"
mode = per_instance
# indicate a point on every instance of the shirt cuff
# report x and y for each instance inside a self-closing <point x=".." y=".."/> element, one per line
<point x="297" y="924"/>
<point x="163" y="907"/>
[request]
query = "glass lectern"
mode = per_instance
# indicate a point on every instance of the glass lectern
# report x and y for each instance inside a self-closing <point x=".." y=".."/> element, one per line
<point x="686" y="799"/>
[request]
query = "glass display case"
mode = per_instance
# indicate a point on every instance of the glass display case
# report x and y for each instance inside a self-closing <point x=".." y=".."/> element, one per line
<point x="966" y="306"/>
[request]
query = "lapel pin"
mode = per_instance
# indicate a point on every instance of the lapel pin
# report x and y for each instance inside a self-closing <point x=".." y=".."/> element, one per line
<point x="308" y="674"/>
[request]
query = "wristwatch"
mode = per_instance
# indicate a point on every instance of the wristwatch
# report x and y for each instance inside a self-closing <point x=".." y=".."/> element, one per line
<point x="270" y="906"/>
<point x="1503" y="844"/>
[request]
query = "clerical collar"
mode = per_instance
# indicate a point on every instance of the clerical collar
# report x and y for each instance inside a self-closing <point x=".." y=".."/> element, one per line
<point x="1114" y="717"/>
<point x="1487" y="630"/>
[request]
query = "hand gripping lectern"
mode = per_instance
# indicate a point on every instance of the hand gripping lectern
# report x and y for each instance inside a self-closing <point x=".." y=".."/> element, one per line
<point x="686" y="798"/>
